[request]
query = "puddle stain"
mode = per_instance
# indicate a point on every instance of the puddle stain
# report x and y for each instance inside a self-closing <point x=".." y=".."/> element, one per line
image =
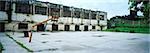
<point x="44" y="34"/>
<point x="133" y="38"/>
<point x="44" y="41"/>
<point x="71" y="48"/>
<point x="99" y="35"/>
<point x="58" y="41"/>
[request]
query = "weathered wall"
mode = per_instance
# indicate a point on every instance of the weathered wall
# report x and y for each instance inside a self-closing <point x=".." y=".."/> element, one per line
<point x="3" y="16"/>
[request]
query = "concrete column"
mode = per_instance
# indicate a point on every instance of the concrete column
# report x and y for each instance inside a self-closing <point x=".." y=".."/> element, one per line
<point x="6" y="5"/>
<point x="72" y="14"/>
<point x="97" y="15"/>
<point x="47" y="10"/>
<point x="90" y="16"/>
<point x="105" y="16"/>
<point x="33" y="9"/>
<point x="61" y="11"/>
<point x="97" y="18"/>
<point x="13" y="7"/>
<point x="81" y="16"/>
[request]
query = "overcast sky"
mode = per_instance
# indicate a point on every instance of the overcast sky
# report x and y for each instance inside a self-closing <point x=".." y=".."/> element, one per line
<point x="112" y="7"/>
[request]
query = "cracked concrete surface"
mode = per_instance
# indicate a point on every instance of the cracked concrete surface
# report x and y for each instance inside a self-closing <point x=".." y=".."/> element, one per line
<point x="86" y="42"/>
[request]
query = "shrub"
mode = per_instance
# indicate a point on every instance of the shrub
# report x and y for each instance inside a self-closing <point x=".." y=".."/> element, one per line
<point x="132" y="31"/>
<point x="117" y="30"/>
<point x="1" y="48"/>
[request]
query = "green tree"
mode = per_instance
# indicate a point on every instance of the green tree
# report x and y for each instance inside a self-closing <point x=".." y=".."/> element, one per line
<point x="145" y="7"/>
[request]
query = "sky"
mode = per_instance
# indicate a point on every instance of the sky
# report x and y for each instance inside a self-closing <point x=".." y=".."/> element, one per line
<point x="112" y="7"/>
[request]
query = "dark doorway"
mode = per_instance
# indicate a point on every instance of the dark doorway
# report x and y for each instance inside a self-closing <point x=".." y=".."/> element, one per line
<point x="93" y="27"/>
<point x="67" y="27"/>
<point x="54" y="27"/>
<point x="85" y="28"/>
<point x="2" y="27"/>
<point x="40" y="27"/>
<point x="77" y="28"/>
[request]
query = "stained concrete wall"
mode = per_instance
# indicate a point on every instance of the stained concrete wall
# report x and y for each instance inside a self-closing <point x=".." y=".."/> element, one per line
<point x="21" y="17"/>
<point x="77" y="20"/>
<point x="86" y="21"/>
<point x="39" y="18"/>
<point x="28" y="17"/>
<point x="61" y="21"/>
<point x="93" y="22"/>
<point x="14" y="26"/>
<point x="3" y="15"/>
<point x="10" y="26"/>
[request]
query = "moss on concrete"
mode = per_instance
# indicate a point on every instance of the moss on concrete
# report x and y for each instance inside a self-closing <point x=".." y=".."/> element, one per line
<point x="1" y="48"/>
<point x="20" y="44"/>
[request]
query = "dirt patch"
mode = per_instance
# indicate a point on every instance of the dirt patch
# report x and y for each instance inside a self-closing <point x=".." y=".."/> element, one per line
<point x="98" y="35"/>
<point x="133" y="38"/>
<point x="71" y="48"/>
<point x="58" y="41"/>
<point x="44" y="41"/>
<point x="44" y="34"/>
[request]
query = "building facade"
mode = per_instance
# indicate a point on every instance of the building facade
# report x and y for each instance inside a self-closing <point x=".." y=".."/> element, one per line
<point x="22" y="15"/>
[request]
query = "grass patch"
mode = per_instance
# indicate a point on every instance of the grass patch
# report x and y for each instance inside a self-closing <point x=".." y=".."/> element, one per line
<point x="20" y="44"/>
<point x="130" y="30"/>
<point x="1" y="48"/>
<point x="133" y="25"/>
